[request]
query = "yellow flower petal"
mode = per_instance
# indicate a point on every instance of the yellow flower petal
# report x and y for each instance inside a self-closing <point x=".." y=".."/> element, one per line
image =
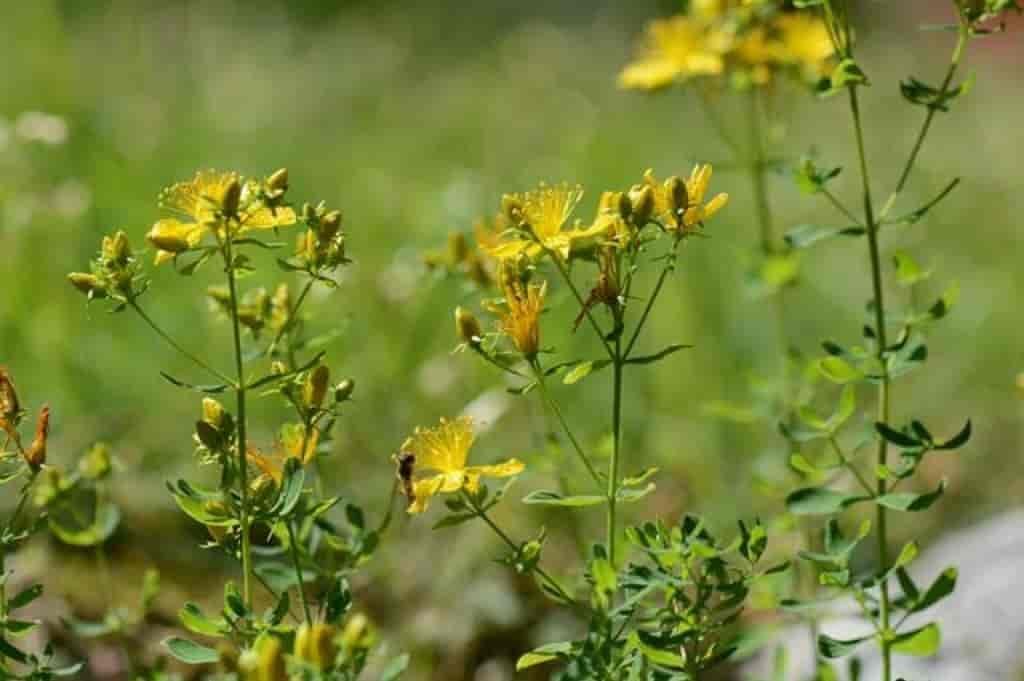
<point x="422" y="491"/>
<point x="715" y="205"/>
<point x="504" y="469"/>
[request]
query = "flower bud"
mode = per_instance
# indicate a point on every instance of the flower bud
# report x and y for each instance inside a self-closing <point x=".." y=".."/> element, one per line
<point x="678" y="198"/>
<point x="329" y="225"/>
<point x="89" y="284"/>
<point x="96" y="464"/>
<point x="315" y="645"/>
<point x="643" y="205"/>
<point x="262" y="489"/>
<point x="277" y="367"/>
<point x="116" y="248"/>
<point x="358" y="633"/>
<point x="270" y="664"/>
<point x="35" y="455"/>
<point x="315" y="388"/>
<point x="213" y="412"/>
<point x="227" y="657"/>
<point x="278" y="182"/>
<point x="343" y="391"/>
<point x="512" y="208"/>
<point x="467" y="327"/>
<point x="625" y="205"/>
<point x="458" y="248"/>
<point x="9" y="405"/>
<point x="232" y="197"/>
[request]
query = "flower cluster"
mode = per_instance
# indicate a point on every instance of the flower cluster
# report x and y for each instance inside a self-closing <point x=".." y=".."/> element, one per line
<point x="747" y="42"/>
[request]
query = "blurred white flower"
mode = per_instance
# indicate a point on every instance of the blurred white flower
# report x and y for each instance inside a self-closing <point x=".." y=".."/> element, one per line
<point x="36" y="126"/>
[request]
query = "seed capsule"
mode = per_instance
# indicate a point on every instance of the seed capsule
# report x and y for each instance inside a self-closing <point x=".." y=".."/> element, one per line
<point x="35" y="455"/>
<point x="678" y="198"/>
<point x="278" y="181"/>
<point x="270" y="664"/>
<point x="316" y="645"/>
<point x="343" y="391"/>
<point x="329" y="225"/>
<point x="315" y="388"/>
<point x="9" y="405"/>
<point x="232" y="197"/>
<point x="643" y="205"/>
<point x="89" y="284"/>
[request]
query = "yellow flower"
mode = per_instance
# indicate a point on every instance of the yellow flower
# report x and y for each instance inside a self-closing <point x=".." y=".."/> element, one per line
<point x="674" y="49"/>
<point x="441" y="453"/>
<point x="209" y="202"/>
<point x="519" y="319"/>
<point x="543" y="214"/>
<point x="695" y="211"/>
<point x="805" y="42"/>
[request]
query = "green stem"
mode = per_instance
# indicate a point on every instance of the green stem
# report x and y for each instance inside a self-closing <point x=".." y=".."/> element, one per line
<point x="242" y="445"/>
<point x="293" y="315"/>
<point x="884" y="391"/>
<point x="757" y="168"/>
<point x="963" y="36"/>
<point x="293" y="548"/>
<point x="174" y="344"/>
<point x="547" y="578"/>
<point x="579" y="299"/>
<point x="553" y="406"/>
<point x="613" y="463"/>
<point x="669" y="266"/>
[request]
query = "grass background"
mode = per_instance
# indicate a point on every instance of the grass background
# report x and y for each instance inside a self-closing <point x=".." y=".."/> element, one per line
<point x="414" y="118"/>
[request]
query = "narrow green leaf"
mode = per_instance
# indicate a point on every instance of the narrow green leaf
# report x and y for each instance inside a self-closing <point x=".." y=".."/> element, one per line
<point x="548" y="498"/>
<point x="908" y="501"/>
<point x="833" y="648"/>
<point x="548" y="652"/>
<point x="820" y="501"/>
<point x="190" y="652"/>
<point x="922" y="642"/>
<point x="662" y="354"/>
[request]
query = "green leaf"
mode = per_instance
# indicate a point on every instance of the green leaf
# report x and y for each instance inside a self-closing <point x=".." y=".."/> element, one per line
<point x="896" y="437"/>
<point x="395" y="668"/>
<point x="922" y="642"/>
<point x="908" y="272"/>
<point x="547" y="498"/>
<point x="803" y="236"/>
<point x="958" y="440"/>
<point x="65" y="524"/>
<point x="548" y="652"/>
<point x="197" y="622"/>
<point x="838" y="370"/>
<point x="847" y="72"/>
<point x="915" y="215"/>
<point x="662" y="354"/>
<point x="24" y="597"/>
<point x="820" y="501"/>
<point x="943" y="586"/>
<point x="833" y="648"/>
<point x="211" y="389"/>
<point x="632" y="494"/>
<point x="584" y="369"/>
<point x="942" y="306"/>
<point x="189" y="652"/>
<point x="10" y="652"/>
<point x="908" y="501"/>
<point x="639" y="478"/>
<point x="907" y="554"/>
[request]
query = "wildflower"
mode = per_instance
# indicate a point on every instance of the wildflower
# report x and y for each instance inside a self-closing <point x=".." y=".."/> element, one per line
<point x="675" y="49"/>
<point x="441" y="452"/>
<point x="519" y="319"/>
<point x="805" y="42"/>
<point x="35" y="455"/>
<point x="213" y="202"/>
<point x="540" y="216"/>
<point x="681" y="202"/>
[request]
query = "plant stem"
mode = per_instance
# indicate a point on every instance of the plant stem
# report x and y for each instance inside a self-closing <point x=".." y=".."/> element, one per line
<point x="757" y="168"/>
<point x="613" y="463"/>
<point x="547" y="578"/>
<point x="884" y="385"/>
<point x="553" y="406"/>
<point x="290" y="322"/>
<point x="670" y="263"/>
<point x="579" y="299"/>
<point x="963" y="36"/>
<point x="242" y="444"/>
<point x="293" y="548"/>
<point x="174" y="344"/>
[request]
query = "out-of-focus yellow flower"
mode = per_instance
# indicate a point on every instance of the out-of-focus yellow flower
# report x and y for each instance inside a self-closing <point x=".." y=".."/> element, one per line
<point x="542" y="214"/>
<point x="684" y="218"/>
<point x="519" y="318"/>
<point x="674" y="49"/>
<point x="805" y="41"/>
<point x="210" y="201"/>
<point x="441" y="453"/>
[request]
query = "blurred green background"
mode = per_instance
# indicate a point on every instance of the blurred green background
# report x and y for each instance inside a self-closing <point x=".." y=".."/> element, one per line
<point x="414" y="118"/>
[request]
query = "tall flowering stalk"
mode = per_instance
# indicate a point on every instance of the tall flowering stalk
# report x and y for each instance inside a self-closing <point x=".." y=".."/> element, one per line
<point x="224" y="216"/>
<point x="671" y="611"/>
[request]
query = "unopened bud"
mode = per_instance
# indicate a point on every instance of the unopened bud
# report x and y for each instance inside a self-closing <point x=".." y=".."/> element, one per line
<point x="89" y="284"/>
<point x="277" y="367"/>
<point x="227" y="657"/>
<point x="315" y="645"/>
<point x="358" y="632"/>
<point x="625" y="205"/>
<point x="678" y="198"/>
<point x="643" y="205"/>
<point x="96" y="464"/>
<point x="9" y="405"/>
<point x="278" y="182"/>
<point x="231" y="197"/>
<point x="116" y="248"/>
<point x="458" y="247"/>
<point x="330" y="224"/>
<point x="270" y="664"/>
<point x="35" y="455"/>
<point x="213" y="412"/>
<point x="262" y="489"/>
<point x="343" y="391"/>
<point x="512" y="208"/>
<point x="467" y="327"/>
<point x="315" y="388"/>
<point x="168" y="236"/>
